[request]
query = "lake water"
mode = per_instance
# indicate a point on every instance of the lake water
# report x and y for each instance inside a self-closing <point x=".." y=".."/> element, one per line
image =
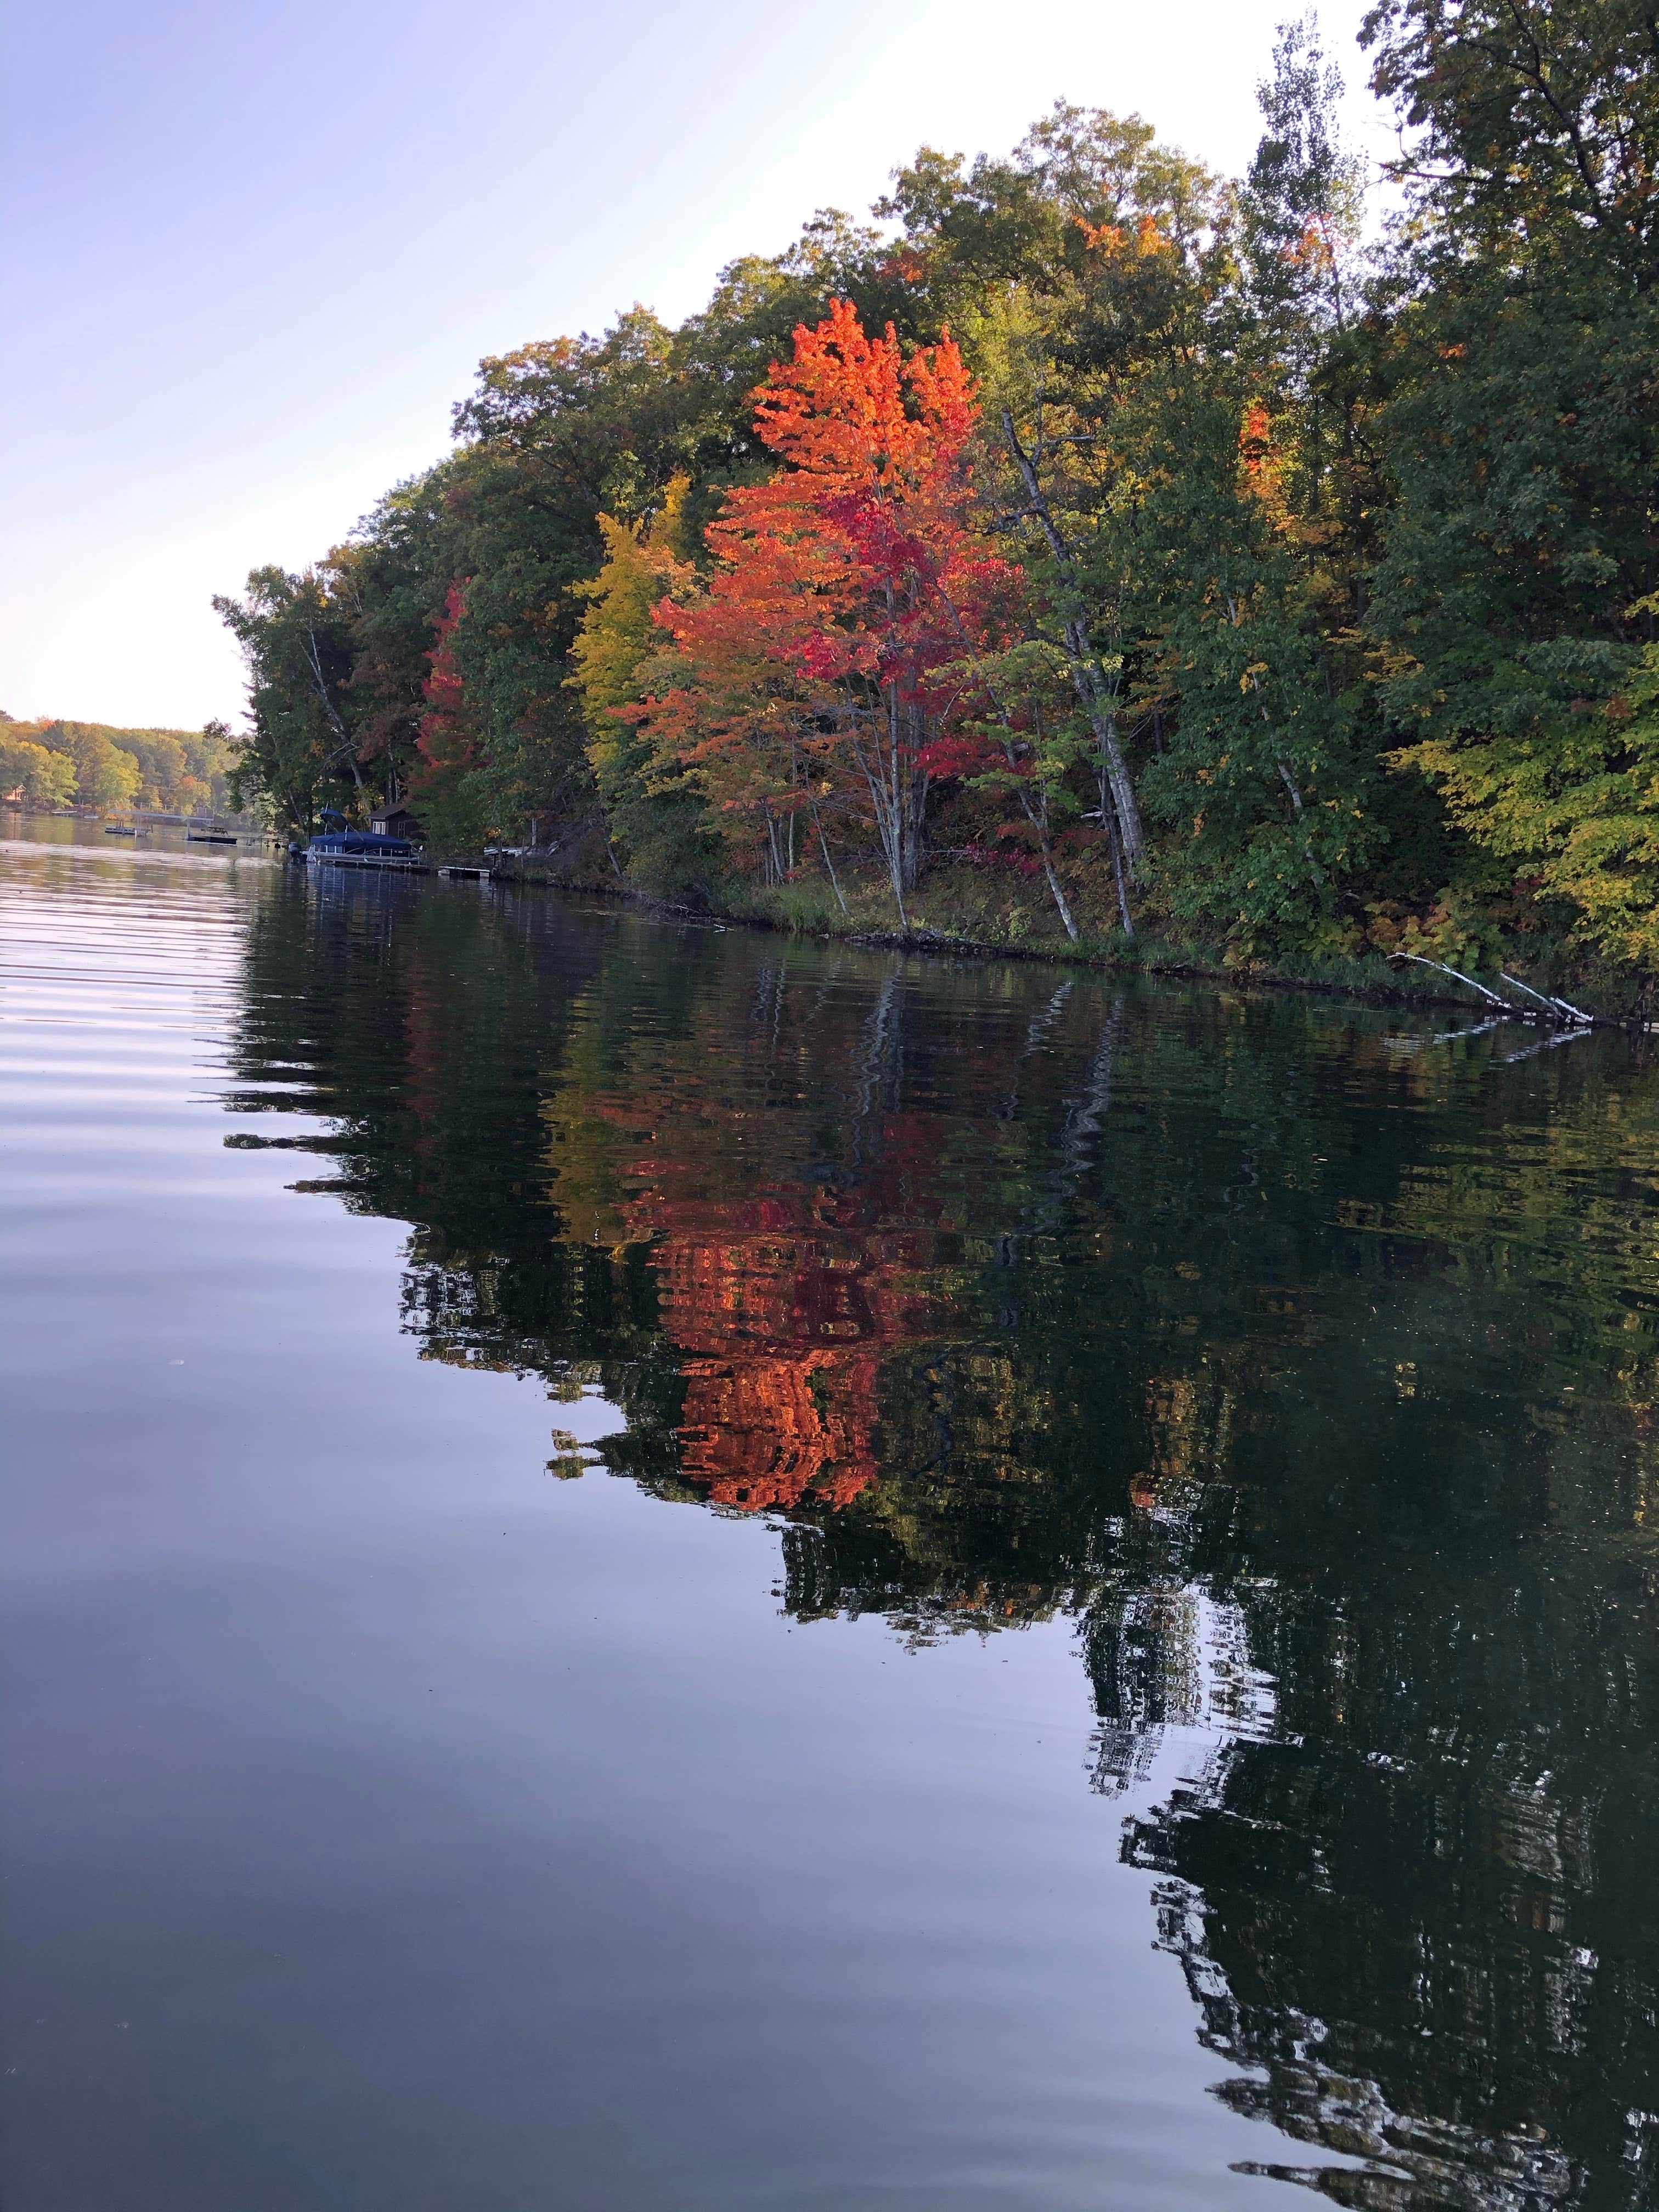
<point x="655" y="1567"/>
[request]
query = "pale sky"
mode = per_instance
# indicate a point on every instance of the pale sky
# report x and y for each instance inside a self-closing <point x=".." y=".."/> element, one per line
<point x="252" y="250"/>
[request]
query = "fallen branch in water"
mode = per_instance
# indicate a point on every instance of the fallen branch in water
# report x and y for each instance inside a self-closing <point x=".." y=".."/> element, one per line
<point x="1515" y="983"/>
<point x="1557" y="1005"/>
<point x="1560" y="1009"/>
<point x="1493" y="998"/>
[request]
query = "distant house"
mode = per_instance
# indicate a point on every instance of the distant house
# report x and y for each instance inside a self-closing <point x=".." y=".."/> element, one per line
<point x="396" y="822"/>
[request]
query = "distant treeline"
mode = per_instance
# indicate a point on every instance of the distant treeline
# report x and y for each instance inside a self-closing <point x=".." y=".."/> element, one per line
<point x="1093" y="544"/>
<point x="52" y="763"/>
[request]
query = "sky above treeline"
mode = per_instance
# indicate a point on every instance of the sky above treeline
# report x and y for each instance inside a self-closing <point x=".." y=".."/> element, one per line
<point x="252" y="250"/>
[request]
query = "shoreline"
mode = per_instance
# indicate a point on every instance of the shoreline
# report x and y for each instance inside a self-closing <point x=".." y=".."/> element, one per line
<point x="936" y="945"/>
<point x="939" y="945"/>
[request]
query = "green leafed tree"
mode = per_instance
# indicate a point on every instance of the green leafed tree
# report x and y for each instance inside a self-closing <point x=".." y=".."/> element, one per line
<point x="1512" y="603"/>
<point x="301" y="749"/>
<point x="32" y="772"/>
<point x="106" y="774"/>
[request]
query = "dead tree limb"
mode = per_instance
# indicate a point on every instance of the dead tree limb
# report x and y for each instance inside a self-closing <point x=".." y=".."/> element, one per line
<point x="1492" y="998"/>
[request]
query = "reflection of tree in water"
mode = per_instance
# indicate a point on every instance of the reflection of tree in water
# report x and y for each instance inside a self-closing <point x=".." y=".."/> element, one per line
<point x="1310" y="1371"/>
<point x="1414" y="1908"/>
<point x="1427" y="1924"/>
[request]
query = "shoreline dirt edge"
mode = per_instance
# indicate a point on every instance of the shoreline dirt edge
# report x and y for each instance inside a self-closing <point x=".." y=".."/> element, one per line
<point x="934" y="944"/>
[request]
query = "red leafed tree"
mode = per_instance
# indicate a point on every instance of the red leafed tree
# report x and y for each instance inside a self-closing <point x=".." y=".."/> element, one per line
<point x="448" y="751"/>
<point x="443" y="725"/>
<point x="837" y="638"/>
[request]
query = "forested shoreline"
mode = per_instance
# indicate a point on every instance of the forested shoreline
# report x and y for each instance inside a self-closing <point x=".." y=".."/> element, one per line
<point x="1089" y="550"/>
<point x="50" y="763"/>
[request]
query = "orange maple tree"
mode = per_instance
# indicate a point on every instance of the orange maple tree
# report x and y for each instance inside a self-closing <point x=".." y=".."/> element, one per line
<point x="835" y="642"/>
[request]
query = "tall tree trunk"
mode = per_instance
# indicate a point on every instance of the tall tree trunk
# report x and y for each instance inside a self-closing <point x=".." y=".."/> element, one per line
<point x="1116" y="850"/>
<point x="348" y="744"/>
<point x="880" y="762"/>
<point x="823" y="846"/>
<point x="1095" y="688"/>
<point x="1060" y="895"/>
<point x="1037" y="817"/>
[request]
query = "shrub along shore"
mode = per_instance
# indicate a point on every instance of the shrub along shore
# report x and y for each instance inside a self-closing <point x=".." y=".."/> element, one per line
<point x="1089" y="555"/>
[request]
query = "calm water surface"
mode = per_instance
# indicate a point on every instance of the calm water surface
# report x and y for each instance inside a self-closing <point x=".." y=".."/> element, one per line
<point x="652" y="1567"/>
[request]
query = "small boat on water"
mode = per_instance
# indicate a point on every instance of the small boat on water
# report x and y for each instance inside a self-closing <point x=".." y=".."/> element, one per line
<point x="209" y="837"/>
<point x="359" y="848"/>
<point x="120" y="829"/>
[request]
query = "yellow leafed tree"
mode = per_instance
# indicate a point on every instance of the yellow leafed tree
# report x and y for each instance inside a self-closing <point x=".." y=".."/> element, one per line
<point x="645" y="562"/>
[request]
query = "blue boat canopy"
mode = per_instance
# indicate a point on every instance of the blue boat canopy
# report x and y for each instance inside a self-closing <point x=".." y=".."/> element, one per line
<point x="362" y="844"/>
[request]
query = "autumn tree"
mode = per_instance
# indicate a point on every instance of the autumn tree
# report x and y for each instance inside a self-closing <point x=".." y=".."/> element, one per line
<point x="388" y="582"/>
<point x="650" y="814"/>
<point x="850" y="593"/>
<point x="1082" y="268"/>
<point x="450" y="781"/>
<point x="1526" y="125"/>
<point x="1253" y="579"/>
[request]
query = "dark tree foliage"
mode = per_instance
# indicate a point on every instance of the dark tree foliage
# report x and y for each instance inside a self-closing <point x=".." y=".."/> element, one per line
<point x="1521" y="442"/>
<point x="302" y="751"/>
<point x="1535" y="122"/>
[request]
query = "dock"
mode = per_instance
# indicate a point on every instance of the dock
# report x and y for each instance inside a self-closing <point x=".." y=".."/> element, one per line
<point x="382" y="864"/>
